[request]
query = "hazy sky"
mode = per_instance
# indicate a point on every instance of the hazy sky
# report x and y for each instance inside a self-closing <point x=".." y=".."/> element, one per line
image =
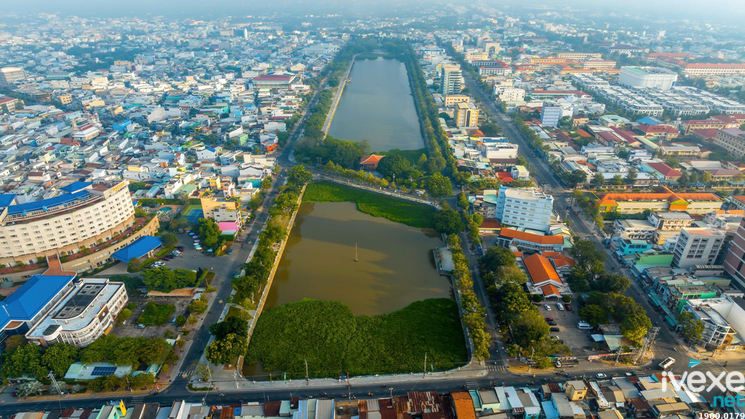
<point x="709" y="9"/>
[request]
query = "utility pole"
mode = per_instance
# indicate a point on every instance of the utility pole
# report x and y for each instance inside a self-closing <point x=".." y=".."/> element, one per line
<point x="391" y="390"/>
<point x="307" y="379"/>
<point x="56" y="385"/>
<point x="530" y="365"/>
<point x="424" y="374"/>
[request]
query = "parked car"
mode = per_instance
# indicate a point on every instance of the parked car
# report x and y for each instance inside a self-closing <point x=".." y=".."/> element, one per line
<point x="549" y="319"/>
<point x="560" y="306"/>
<point x="548" y="307"/>
<point x="554" y="329"/>
<point x="230" y="252"/>
<point x="140" y="326"/>
<point x="568" y="306"/>
<point x="552" y="323"/>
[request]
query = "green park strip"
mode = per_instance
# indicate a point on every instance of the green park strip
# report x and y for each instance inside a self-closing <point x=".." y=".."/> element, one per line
<point x="335" y="342"/>
<point x="377" y="205"/>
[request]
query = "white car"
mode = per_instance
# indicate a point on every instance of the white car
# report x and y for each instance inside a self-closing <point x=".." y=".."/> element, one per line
<point x="548" y="307"/>
<point x="560" y="306"/>
<point x="601" y="376"/>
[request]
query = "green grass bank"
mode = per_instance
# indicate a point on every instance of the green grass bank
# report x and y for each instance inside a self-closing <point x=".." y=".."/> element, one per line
<point x="377" y="205"/>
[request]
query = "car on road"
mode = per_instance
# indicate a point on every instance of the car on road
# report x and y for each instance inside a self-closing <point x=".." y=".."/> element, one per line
<point x="669" y="361"/>
<point x="600" y="376"/>
<point x="548" y="307"/>
<point x="230" y="252"/>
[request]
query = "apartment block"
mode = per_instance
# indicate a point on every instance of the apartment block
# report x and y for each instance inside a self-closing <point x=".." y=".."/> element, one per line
<point x="697" y="246"/>
<point x="466" y="115"/>
<point x="451" y="79"/>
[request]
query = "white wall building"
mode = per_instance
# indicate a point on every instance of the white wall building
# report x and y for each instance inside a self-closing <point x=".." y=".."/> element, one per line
<point x="85" y="313"/>
<point x="697" y="246"/>
<point x="654" y="77"/>
<point x="524" y="208"/>
<point x="451" y="79"/>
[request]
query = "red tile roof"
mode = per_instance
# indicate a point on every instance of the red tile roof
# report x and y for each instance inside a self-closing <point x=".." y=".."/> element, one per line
<point x="664" y="169"/>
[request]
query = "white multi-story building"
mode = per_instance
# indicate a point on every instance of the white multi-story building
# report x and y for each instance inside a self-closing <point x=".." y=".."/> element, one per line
<point x="83" y="315"/>
<point x="524" y="208"/>
<point x="451" y="79"/>
<point x="723" y="319"/>
<point x="510" y="94"/>
<point x="81" y="214"/>
<point x="697" y="246"/>
<point x="499" y="151"/>
<point x="640" y="77"/>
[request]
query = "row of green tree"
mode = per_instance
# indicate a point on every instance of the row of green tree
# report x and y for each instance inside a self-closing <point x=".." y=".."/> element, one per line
<point x="257" y="271"/>
<point x="21" y="358"/>
<point x="440" y="157"/>
<point x="473" y="314"/>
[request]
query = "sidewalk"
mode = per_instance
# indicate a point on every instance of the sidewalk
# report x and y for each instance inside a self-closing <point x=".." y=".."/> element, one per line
<point x="469" y="372"/>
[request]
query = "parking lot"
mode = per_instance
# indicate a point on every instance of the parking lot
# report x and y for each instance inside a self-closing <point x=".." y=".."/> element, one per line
<point x="577" y="340"/>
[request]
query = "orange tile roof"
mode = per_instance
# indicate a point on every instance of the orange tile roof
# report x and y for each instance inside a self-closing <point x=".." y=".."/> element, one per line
<point x="550" y="289"/>
<point x="540" y="269"/>
<point x="371" y="159"/>
<point x="463" y="405"/>
<point x="530" y="237"/>
<point x="562" y="260"/>
<point x="662" y="194"/>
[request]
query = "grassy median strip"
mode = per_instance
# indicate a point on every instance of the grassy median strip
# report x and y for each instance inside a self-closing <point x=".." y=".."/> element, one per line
<point x="377" y="205"/>
<point x="335" y="342"/>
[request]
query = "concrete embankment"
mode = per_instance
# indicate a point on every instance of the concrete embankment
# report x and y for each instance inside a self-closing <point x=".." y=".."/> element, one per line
<point x="337" y="98"/>
<point x="268" y="286"/>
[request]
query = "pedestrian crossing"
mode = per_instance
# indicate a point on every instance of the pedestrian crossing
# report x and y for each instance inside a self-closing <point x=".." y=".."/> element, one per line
<point x="137" y="399"/>
<point x="472" y="385"/>
<point x="496" y="368"/>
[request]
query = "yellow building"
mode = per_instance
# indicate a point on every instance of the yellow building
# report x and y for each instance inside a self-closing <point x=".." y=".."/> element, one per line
<point x="451" y="100"/>
<point x="579" y="56"/>
<point x="575" y="390"/>
<point x="476" y="55"/>
<point x="220" y="209"/>
<point x="65" y="99"/>
<point x="466" y="115"/>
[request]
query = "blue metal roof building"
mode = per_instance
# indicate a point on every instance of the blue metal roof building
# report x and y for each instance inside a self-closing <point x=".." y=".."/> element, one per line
<point x="139" y="248"/>
<point x="33" y="297"/>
